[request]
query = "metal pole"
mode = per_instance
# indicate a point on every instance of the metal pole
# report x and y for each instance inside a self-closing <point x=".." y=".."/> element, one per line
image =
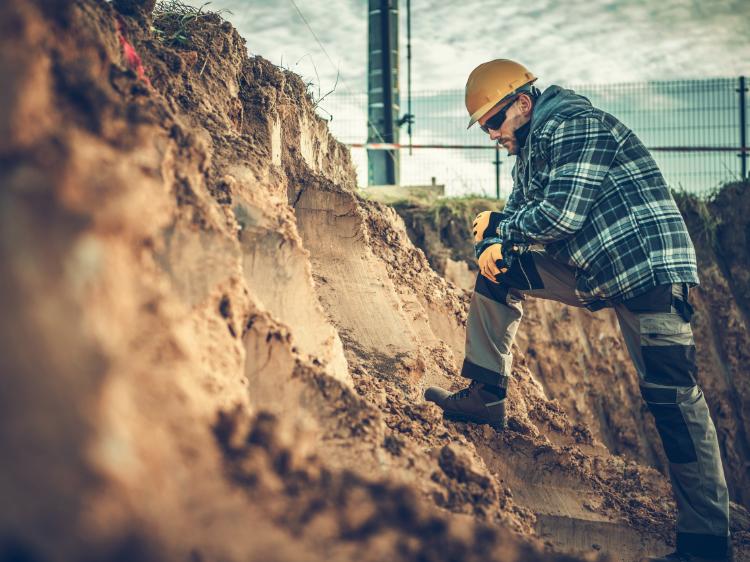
<point x="387" y="77"/>
<point x="408" y="69"/>
<point x="497" y="171"/>
<point x="743" y="128"/>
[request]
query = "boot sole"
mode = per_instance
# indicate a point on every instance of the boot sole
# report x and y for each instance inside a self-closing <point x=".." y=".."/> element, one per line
<point x="498" y="426"/>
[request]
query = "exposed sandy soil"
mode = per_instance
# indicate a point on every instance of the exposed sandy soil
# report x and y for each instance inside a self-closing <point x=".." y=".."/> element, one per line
<point x="214" y="349"/>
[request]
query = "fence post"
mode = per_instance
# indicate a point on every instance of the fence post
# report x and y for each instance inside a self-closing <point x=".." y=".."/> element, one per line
<point x="743" y="128"/>
<point x="497" y="171"/>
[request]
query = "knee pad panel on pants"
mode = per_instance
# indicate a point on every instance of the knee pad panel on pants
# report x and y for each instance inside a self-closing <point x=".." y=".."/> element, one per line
<point x="522" y="276"/>
<point x="500" y="292"/>
<point x="670" y="422"/>
<point x="496" y="292"/>
<point x="670" y="364"/>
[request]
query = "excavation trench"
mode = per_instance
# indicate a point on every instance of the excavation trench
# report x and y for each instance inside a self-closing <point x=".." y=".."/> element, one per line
<point x="215" y="349"/>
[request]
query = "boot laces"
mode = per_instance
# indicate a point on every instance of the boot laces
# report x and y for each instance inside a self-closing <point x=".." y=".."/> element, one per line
<point x="463" y="393"/>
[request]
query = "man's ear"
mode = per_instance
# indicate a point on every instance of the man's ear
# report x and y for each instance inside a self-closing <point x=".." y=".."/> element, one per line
<point x="525" y="105"/>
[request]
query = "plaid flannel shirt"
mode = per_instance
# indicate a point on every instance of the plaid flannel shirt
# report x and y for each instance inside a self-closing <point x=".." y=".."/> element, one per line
<point x="588" y="190"/>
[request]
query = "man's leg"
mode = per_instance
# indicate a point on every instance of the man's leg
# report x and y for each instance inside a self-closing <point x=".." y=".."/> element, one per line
<point x="659" y="338"/>
<point x="494" y="316"/>
<point x="496" y="310"/>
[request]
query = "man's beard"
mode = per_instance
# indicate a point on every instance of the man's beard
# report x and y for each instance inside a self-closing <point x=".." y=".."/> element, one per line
<point x="521" y="134"/>
<point x="511" y="146"/>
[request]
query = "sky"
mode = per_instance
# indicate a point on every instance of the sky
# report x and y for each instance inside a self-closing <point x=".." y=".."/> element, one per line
<point x="575" y="41"/>
<point x="571" y="42"/>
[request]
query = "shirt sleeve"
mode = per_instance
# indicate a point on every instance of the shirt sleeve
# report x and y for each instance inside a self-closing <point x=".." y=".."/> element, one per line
<point x="581" y="152"/>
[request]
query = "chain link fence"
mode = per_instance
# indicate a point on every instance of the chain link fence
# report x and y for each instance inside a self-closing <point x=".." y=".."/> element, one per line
<point x="697" y="130"/>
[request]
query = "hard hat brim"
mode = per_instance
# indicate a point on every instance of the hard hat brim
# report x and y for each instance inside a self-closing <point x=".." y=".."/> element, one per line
<point x="477" y="115"/>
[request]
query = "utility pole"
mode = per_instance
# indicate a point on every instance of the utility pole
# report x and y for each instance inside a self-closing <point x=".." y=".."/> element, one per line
<point x="383" y="105"/>
<point x="408" y="117"/>
<point x="743" y="126"/>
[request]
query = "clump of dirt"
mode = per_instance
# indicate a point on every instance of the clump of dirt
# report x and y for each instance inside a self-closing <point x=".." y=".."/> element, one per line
<point x="214" y="349"/>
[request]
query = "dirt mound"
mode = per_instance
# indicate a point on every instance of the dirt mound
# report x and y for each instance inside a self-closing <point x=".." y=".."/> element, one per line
<point x="214" y="349"/>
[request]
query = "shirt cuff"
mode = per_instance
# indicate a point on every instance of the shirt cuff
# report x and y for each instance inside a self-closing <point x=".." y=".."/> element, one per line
<point x="506" y="231"/>
<point x="503" y="230"/>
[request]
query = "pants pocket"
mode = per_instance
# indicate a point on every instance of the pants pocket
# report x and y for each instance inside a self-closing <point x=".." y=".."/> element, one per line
<point x="668" y="349"/>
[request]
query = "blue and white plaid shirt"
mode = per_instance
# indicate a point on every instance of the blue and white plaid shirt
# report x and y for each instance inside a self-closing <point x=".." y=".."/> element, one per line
<point x="588" y="190"/>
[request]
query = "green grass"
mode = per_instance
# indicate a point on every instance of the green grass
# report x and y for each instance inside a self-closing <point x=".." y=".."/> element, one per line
<point x="471" y="203"/>
<point x="463" y="208"/>
<point x="702" y="221"/>
<point x="175" y="22"/>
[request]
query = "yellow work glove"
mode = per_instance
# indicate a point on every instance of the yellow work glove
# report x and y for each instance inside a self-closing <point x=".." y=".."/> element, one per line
<point x="490" y="261"/>
<point x="485" y="225"/>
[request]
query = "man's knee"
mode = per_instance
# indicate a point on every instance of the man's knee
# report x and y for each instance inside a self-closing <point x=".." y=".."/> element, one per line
<point x="521" y="276"/>
<point x="500" y="292"/>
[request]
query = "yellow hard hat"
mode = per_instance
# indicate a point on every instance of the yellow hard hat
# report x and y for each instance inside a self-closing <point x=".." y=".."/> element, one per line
<point x="492" y="82"/>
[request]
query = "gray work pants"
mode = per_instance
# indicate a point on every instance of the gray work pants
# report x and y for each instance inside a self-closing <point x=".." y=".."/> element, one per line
<point x="659" y="338"/>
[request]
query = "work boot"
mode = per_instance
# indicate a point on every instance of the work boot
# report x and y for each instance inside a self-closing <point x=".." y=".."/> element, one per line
<point x="678" y="556"/>
<point x="474" y="403"/>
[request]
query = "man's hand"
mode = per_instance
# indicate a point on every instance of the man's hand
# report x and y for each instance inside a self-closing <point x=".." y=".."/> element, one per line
<point x="490" y="261"/>
<point x="485" y="225"/>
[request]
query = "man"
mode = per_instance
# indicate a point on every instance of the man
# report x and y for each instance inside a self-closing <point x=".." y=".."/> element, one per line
<point x="590" y="195"/>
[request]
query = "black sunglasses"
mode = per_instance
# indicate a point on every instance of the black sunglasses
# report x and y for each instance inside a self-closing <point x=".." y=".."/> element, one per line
<point x="496" y="121"/>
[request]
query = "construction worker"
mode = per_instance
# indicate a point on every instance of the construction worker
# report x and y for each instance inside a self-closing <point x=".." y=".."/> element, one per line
<point x="590" y="223"/>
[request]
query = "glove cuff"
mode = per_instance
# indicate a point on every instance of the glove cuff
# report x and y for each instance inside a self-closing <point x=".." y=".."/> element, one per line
<point x="480" y="247"/>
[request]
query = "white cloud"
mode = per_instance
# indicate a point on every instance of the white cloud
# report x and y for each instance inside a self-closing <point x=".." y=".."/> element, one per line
<point x="577" y="41"/>
<point x="585" y="41"/>
<point x="275" y="31"/>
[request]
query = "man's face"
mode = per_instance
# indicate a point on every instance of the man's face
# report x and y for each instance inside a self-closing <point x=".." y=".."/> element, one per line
<point x="518" y="113"/>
